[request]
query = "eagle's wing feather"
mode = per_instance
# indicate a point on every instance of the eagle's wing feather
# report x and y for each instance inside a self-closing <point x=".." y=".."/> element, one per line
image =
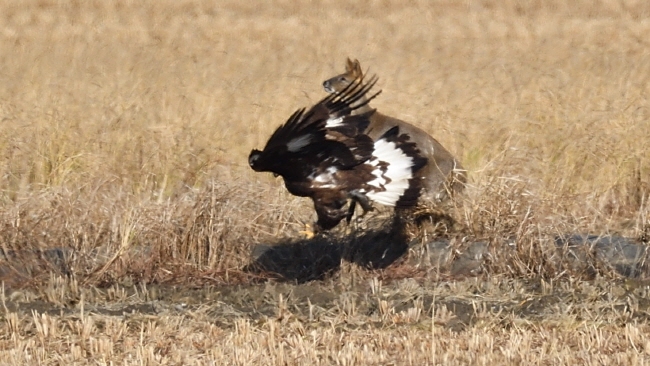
<point x="330" y="113"/>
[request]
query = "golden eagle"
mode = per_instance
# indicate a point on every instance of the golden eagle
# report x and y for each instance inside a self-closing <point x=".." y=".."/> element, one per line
<point x="323" y="153"/>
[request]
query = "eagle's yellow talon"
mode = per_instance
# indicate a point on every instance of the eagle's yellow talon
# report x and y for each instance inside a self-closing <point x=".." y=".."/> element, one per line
<point x="309" y="232"/>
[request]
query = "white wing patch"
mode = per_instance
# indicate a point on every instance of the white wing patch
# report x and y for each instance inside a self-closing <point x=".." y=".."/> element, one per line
<point x="334" y="122"/>
<point x="394" y="181"/>
<point x="297" y="143"/>
<point x="326" y="178"/>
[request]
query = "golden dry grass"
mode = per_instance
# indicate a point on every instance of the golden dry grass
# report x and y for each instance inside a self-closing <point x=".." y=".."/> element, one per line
<point x="498" y="321"/>
<point x="126" y="127"/>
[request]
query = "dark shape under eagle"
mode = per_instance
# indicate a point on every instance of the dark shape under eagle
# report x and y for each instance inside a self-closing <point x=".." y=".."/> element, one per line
<point x="323" y="153"/>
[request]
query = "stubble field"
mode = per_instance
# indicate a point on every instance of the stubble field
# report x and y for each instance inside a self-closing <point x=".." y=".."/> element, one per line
<point x="130" y="219"/>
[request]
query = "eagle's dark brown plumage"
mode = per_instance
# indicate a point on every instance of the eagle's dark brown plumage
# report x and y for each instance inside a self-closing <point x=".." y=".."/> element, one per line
<point x="323" y="153"/>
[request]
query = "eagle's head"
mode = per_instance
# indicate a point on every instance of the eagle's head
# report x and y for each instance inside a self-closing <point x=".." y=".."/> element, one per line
<point x="256" y="162"/>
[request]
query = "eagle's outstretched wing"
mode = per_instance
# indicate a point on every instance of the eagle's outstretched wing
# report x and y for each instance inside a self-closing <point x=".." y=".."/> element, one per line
<point x="326" y="132"/>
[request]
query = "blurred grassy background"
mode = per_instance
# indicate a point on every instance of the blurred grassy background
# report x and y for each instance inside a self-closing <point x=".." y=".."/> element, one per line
<point x="127" y="122"/>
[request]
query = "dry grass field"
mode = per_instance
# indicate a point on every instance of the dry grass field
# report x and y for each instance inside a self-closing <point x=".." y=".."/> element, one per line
<point x="126" y="127"/>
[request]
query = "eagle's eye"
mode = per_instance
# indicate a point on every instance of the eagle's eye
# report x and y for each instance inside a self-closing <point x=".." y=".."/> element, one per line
<point x="275" y="175"/>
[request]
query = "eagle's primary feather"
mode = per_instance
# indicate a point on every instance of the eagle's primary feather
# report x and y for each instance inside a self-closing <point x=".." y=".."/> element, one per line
<point x="323" y="153"/>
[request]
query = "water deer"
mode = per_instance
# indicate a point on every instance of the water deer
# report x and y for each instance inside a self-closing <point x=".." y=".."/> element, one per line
<point x="442" y="176"/>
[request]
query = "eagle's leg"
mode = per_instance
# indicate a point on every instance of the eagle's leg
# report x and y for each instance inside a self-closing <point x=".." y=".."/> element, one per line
<point x="353" y="206"/>
<point x="330" y="213"/>
<point x="357" y="197"/>
<point x="363" y="201"/>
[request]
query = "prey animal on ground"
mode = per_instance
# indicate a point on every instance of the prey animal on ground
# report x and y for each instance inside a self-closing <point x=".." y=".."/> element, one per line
<point x="323" y="153"/>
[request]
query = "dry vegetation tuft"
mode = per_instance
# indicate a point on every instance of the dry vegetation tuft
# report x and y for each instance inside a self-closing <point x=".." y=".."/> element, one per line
<point x="123" y="143"/>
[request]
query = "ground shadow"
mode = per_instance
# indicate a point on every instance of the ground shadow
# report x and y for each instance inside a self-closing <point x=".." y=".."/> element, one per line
<point x="314" y="259"/>
<point x="297" y="260"/>
<point x="376" y="249"/>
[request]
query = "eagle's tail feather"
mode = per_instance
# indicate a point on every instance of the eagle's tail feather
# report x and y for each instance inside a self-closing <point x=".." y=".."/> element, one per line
<point x="395" y="163"/>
